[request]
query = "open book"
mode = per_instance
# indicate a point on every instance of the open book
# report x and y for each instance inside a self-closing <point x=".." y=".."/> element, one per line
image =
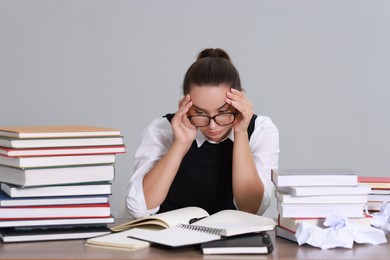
<point x="120" y="239"/>
<point x="166" y="219"/>
<point x="193" y="225"/>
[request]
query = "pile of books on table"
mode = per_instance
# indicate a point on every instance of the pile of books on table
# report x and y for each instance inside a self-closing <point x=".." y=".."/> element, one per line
<point x="56" y="181"/>
<point x="380" y="191"/>
<point x="311" y="195"/>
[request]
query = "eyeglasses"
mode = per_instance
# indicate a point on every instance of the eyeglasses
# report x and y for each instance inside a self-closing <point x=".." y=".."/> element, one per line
<point x="220" y="119"/>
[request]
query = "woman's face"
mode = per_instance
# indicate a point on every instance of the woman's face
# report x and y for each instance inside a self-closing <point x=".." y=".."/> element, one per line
<point x="210" y="101"/>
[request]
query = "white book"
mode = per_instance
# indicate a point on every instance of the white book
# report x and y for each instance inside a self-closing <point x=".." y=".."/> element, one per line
<point x="380" y="192"/>
<point x="287" y="198"/>
<point x="116" y="149"/>
<point x="48" y="161"/>
<point x="60" y="142"/>
<point x="292" y="223"/>
<point x="285" y="233"/>
<point x="375" y="205"/>
<point x="6" y="201"/>
<point x="314" y="177"/>
<point x="320" y="210"/>
<point x="379" y="197"/>
<point x="56" y="175"/>
<point x="55" y="211"/>
<point x="57" y="190"/>
<point x="325" y="190"/>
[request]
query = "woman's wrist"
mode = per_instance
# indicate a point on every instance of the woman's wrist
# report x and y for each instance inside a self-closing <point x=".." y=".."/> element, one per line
<point x="240" y="134"/>
<point x="180" y="147"/>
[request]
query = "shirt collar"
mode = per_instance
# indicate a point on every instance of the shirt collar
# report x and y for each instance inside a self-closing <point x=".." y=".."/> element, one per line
<point x="201" y="138"/>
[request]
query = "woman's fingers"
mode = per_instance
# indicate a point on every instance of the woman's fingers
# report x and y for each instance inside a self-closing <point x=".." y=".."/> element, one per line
<point x="184" y="105"/>
<point x="239" y="101"/>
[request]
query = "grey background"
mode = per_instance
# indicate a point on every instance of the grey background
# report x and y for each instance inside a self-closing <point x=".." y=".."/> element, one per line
<point x="319" y="69"/>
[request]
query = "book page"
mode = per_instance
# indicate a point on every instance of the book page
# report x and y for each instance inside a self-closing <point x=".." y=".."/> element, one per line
<point x="166" y="219"/>
<point x="234" y="222"/>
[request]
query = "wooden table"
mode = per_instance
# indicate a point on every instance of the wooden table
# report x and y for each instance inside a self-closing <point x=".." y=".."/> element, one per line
<point x="283" y="249"/>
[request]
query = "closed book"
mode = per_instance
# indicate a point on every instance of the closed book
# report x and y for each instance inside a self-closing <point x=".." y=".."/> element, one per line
<point x="60" y="142"/>
<point x="119" y="240"/>
<point x="376" y="182"/>
<point x="53" y="131"/>
<point x="316" y="210"/>
<point x="6" y="201"/>
<point x="380" y="191"/>
<point x="285" y="233"/>
<point x="108" y="149"/>
<point x="57" y="190"/>
<point x="63" y="160"/>
<point x="55" y="211"/>
<point x="292" y="223"/>
<point x="375" y="205"/>
<point x="44" y="234"/>
<point x="56" y="175"/>
<point x="287" y="198"/>
<point x="252" y="243"/>
<point x="314" y="177"/>
<point x="325" y="190"/>
<point x="57" y="222"/>
<point x="379" y="197"/>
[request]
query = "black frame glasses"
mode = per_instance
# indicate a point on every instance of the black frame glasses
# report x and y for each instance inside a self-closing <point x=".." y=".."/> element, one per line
<point x="215" y="118"/>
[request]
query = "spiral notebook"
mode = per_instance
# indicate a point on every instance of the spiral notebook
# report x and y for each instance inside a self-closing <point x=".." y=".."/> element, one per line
<point x="225" y="223"/>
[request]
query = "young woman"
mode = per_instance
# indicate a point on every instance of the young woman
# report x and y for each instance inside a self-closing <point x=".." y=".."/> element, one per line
<point x="213" y="153"/>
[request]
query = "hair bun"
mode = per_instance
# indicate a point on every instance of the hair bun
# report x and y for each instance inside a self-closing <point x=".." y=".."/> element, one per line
<point x="213" y="53"/>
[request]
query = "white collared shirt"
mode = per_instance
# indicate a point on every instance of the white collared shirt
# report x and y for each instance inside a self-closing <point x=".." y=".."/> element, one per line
<point x="158" y="137"/>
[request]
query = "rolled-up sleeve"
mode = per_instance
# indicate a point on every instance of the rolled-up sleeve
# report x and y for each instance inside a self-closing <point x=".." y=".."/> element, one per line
<point x="156" y="140"/>
<point x="265" y="148"/>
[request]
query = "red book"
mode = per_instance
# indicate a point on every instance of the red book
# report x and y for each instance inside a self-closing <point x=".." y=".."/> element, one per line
<point x="376" y="182"/>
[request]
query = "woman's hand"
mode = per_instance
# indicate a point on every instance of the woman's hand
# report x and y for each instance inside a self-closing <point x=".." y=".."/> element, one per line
<point x="183" y="131"/>
<point x="244" y="107"/>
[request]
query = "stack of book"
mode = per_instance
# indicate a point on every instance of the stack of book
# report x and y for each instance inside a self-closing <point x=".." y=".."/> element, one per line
<point x="313" y="194"/>
<point x="56" y="181"/>
<point x="380" y="191"/>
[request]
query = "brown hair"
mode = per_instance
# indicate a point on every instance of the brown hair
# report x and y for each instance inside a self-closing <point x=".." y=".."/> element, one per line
<point x="212" y="67"/>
